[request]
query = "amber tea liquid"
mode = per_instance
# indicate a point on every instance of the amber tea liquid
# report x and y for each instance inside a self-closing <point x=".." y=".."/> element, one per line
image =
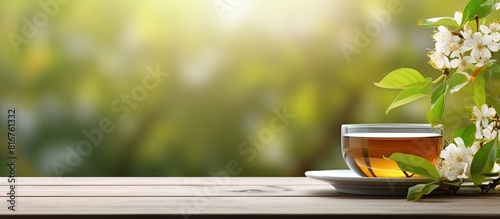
<point x="364" y="152"/>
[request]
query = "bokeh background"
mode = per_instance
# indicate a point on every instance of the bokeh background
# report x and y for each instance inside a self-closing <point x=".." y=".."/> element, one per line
<point x="230" y="63"/>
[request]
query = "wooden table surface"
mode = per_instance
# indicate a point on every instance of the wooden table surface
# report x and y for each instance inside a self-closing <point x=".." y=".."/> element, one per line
<point x="208" y="196"/>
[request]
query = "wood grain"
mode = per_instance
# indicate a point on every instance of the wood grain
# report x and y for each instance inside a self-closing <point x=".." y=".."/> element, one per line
<point x="39" y="181"/>
<point x="475" y="205"/>
<point x="239" y="195"/>
<point x="172" y="191"/>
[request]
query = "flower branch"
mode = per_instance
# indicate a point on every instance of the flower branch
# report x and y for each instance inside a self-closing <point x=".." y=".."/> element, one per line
<point x="463" y="55"/>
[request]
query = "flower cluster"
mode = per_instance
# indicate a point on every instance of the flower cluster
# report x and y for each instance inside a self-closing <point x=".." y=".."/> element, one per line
<point x="460" y="50"/>
<point x="486" y="125"/>
<point x="464" y="52"/>
<point x="456" y="158"/>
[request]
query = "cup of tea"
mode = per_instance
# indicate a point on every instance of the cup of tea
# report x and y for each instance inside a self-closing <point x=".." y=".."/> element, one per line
<point x="364" y="146"/>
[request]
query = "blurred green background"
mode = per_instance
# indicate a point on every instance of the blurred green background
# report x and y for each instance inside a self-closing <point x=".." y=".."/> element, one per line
<point x="230" y="63"/>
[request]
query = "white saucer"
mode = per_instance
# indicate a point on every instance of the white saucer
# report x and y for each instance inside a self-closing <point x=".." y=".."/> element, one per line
<point x="346" y="181"/>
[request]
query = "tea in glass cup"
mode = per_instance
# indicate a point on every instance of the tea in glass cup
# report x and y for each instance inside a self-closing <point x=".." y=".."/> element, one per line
<point x="364" y="146"/>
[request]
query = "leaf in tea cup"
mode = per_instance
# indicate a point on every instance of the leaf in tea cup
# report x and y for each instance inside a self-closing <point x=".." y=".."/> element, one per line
<point x="415" y="164"/>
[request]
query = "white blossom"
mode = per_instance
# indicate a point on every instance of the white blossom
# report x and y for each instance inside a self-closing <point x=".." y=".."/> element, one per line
<point x="493" y="30"/>
<point x="458" y="17"/>
<point x="482" y="118"/>
<point x="466" y="32"/>
<point x="485" y="62"/>
<point x="454" y="46"/>
<point x="455" y="160"/>
<point x="475" y="147"/>
<point x="456" y="152"/>
<point x="441" y="35"/>
<point x="438" y="59"/>
<point x="462" y="63"/>
<point x="481" y="47"/>
<point x="451" y="171"/>
<point x="446" y="42"/>
<point x="496" y="167"/>
<point x="489" y="133"/>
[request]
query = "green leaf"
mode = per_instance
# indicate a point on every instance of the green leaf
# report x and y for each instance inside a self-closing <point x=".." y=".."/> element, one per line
<point x="458" y="80"/>
<point x="495" y="71"/>
<point x="467" y="133"/>
<point x="410" y="94"/>
<point x="415" y="164"/>
<point x="479" y="89"/>
<point x="417" y="191"/>
<point x="402" y="78"/>
<point x="491" y="174"/>
<point x="497" y="159"/>
<point x="438" y="92"/>
<point x="436" y="110"/>
<point x="481" y="8"/>
<point x="493" y="87"/>
<point x="438" y="21"/>
<point x="483" y="161"/>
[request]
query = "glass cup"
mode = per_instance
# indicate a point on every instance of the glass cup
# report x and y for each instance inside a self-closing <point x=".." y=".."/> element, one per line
<point x="364" y="146"/>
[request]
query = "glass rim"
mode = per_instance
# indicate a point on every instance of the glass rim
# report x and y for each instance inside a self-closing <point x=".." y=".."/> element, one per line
<point x="392" y="125"/>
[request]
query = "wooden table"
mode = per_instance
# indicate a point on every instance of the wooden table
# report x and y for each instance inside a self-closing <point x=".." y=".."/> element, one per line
<point x="195" y="197"/>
